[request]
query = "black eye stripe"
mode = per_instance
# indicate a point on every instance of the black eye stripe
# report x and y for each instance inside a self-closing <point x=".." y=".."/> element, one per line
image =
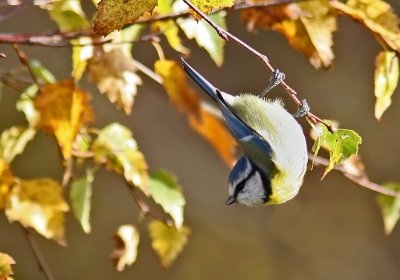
<point x="241" y="184"/>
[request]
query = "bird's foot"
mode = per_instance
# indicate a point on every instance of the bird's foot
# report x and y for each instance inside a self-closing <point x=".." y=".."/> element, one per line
<point x="303" y="110"/>
<point x="276" y="78"/>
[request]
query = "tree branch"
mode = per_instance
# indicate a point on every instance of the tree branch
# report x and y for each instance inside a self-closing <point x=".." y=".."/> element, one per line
<point x="41" y="262"/>
<point x="362" y="180"/>
<point x="228" y="36"/>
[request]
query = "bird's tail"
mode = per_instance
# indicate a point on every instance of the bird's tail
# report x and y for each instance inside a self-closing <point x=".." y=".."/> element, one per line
<point x="201" y="81"/>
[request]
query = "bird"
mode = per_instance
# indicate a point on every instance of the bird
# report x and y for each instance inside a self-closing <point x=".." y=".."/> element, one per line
<point x="274" y="161"/>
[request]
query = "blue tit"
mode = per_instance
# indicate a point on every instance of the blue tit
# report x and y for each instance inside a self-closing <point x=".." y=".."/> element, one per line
<point x="272" y="169"/>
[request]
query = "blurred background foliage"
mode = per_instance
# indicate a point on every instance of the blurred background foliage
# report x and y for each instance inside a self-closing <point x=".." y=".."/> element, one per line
<point x="332" y="229"/>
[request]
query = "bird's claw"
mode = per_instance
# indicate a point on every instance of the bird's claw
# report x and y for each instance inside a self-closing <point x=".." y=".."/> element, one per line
<point x="303" y="110"/>
<point x="276" y="78"/>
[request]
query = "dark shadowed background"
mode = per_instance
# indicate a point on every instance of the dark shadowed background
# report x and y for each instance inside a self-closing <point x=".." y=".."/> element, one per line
<point x="331" y="230"/>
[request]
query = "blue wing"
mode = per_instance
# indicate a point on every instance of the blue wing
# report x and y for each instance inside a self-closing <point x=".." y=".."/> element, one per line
<point x="252" y="143"/>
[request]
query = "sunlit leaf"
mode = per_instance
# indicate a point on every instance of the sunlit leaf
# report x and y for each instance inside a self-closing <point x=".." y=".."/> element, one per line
<point x="5" y="266"/>
<point x="203" y="33"/>
<point x="169" y="27"/>
<point x="13" y="142"/>
<point x="115" y="74"/>
<point x="164" y="189"/>
<point x="175" y="84"/>
<point x="81" y="53"/>
<point x="63" y="109"/>
<point x="308" y="26"/>
<point x="81" y="195"/>
<point x="376" y="15"/>
<point x="127" y="241"/>
<point x="386" y="80"/>
<point x="6" y="182"/>
<point x="202" y="120"/>
<point x="118" y="151"/>
<point x="390" y="207"/>
<point x="168" y="242"/>
<point x="42" y="72"/>
<point x="214" y="130"/>
<point x="114" y="14"/>
<point x="206" y="6"/>
<point x="25" y="105"/>
<point x="341" y="145"/>
<point x="68" y="15"/>
<point x="39" y="204"/>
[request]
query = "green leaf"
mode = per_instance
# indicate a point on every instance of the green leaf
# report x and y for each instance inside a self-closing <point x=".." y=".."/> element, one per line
<point x="13" y="142"/>
<point x="81" y="195"/>
<point x="68" y="15"/>
<point x="118" y="151"/>
<point x="165" y="191"/>
<point x="341" y="144"/>
<point x="127" y="241"/>
<point x="25" y="105"/>
<point x="81" y="53"/>
<point x="205" y="36"/>
<point x="390" y="208"/>
<point x="167" y="242"/>
<point x="40" y="71"/>
<point x="386" y="80"/>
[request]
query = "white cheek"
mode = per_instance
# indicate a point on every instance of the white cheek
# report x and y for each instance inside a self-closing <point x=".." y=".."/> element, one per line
<point x="253" y="193"/>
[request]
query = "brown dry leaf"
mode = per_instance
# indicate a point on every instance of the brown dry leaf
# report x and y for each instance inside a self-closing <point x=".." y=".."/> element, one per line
<point x="308" y="26"/>
<point x="39" y="204"/>
<point x="127" y="241"/>
<point x="265" y="18"/>
<point x="114" y="14"/>
<point x="63" y="109"/>
<point x="168" y="242"/>
<point x="6" y="182"/>
<point x="376" y="15"/>
<point x="213" y="129"/>
<point x="5" y="266"/>
<point x="175" y="84"/>
<point x="115" y="74"/>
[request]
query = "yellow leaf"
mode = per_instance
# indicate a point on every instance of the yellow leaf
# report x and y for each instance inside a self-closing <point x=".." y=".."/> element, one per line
<point x="39" y="204"/>
<point x="206" y="6"/>
<point x="6" y="182"/>
<point x="168" y="242"/>
<point x="114" y="14"/>
<point x="63" y="109"/>
<point x="68" y="15"/>
<point x="127" y="241"/>
<point x="5" y="266"/>
<point x="115" y="74"/>
<point x="81" y="53"/>
<point x="118" y="151"/>
<point x="13" y="142"/>
<point x="390" y="207"/>
<point x="376" y="15"/>
<point x="312" y="32"/>
<point x="213" y="129"/>
<point x="175" y="84"/>
<point x="386" y="80"/>
<point x="169" y="27"/>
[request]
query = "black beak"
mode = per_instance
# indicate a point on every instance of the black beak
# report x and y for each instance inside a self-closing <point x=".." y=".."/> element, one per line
<point x="231" y="199"/>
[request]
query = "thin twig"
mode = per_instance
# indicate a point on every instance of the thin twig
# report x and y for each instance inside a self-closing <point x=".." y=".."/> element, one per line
<point x="22" y="57"/>
<point x="362" y="181"/>
<point x="228" y="36"/>
<point x="41" y="262"/>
